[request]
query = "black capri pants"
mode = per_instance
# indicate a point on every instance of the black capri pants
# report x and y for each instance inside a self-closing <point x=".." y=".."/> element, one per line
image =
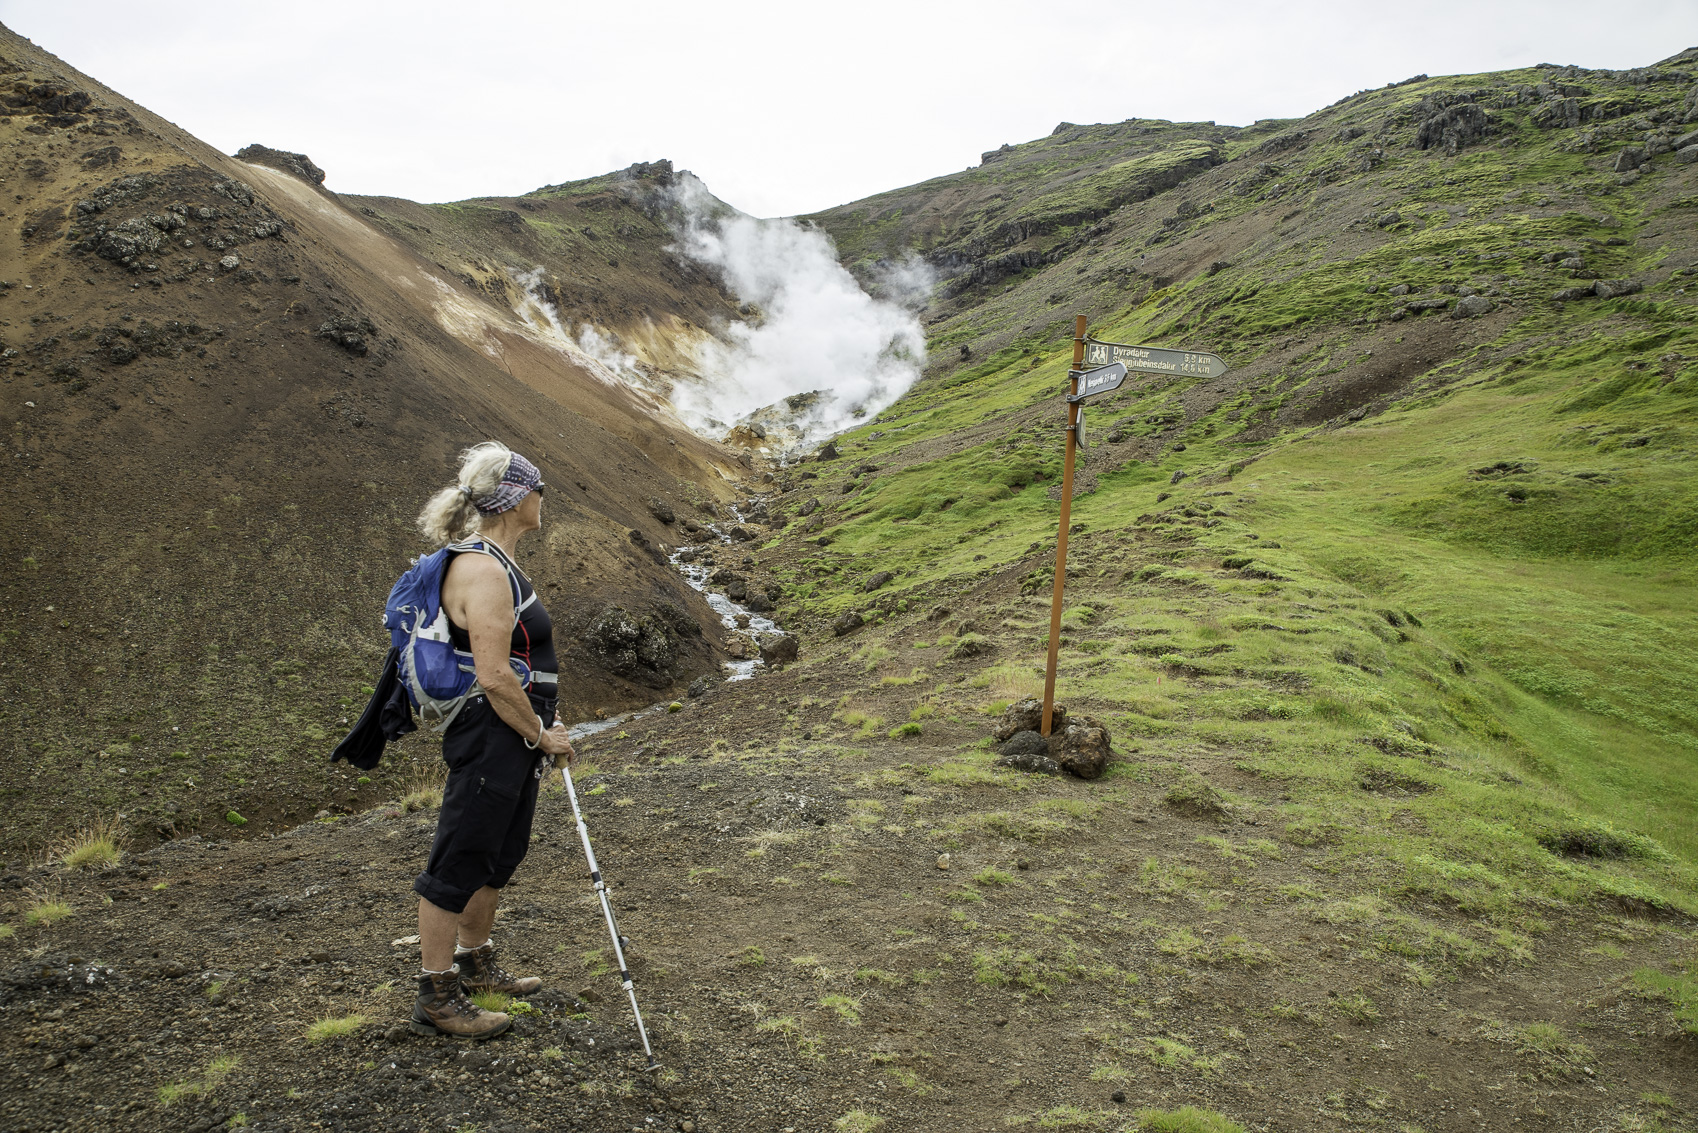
<point x="488" y="804"/>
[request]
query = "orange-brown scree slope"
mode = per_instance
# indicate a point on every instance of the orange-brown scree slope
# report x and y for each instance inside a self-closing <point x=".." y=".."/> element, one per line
<point x="225" y="395"/>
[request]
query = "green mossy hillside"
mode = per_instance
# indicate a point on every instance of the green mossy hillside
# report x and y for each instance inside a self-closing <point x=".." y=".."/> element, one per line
<point x="1430" y="572"/>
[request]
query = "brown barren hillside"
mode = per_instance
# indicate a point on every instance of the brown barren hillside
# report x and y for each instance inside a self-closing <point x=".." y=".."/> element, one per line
<point x="225" y="395"/>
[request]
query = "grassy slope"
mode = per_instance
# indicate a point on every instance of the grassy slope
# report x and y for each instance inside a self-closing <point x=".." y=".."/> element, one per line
<point x="1542" y="703"/>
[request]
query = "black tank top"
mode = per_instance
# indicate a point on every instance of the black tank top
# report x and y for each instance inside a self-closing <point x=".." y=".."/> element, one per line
<point x="533" y="637"/>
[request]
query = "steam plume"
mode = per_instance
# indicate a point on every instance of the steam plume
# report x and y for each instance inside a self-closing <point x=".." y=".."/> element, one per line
<point x="814" y="328"/>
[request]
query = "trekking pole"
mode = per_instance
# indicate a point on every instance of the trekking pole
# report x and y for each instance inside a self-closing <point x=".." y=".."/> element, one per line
<point x="607" y="911"/>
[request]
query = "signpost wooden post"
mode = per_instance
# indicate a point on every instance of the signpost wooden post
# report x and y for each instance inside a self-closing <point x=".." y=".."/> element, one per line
<point x="1110" y="362"/>
<point x="1075" y="411"/>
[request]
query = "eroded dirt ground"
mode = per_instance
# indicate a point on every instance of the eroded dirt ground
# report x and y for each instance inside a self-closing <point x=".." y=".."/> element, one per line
<point x="802" y="954"/>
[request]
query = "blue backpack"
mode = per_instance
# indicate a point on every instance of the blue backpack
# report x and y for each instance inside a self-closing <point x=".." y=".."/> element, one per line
<point x="439" y="678"/>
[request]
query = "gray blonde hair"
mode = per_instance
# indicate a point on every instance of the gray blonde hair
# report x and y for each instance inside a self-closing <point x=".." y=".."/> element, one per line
<point x="452" y="514"/>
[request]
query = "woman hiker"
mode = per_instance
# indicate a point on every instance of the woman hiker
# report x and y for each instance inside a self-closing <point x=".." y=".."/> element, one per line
<point x="499" y="746"/>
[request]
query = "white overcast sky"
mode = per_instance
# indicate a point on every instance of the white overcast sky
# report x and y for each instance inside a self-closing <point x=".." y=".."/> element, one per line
<point x="781" y="108"/>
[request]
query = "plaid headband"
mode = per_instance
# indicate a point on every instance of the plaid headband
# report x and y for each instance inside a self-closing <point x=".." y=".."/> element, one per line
<point x="519" y="481"/>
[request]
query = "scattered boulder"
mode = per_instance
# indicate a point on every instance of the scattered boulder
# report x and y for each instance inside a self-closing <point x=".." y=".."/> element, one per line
<point x="778" y="649"/>
<point x="1027" y="716"/>
<point x="1629" y="159"/>
<point x="348" y="332"/>
<point x="747" y="436"/>
<point x="661" y="510"/>
<point x="1030" y="758"/>
<point x="1082" y="748"/>
<point x="1024" y="743"/>
<point x="878" y="580"/>
<point x="847" y="622"/>
<point x="643" y="544"/>
<point x="810" y="506"/>
<point x="828" y="451"/>
<point x="1614" y="288"/>
<point x="1568" y="294"/>
<point x="743" y="534"/>
<point x="1472" y="307"/>
<point x="702" y="685"/>
<point x="1687" y="154"/>
<point x="638" y="648"/>
<point x="1178" y="476"/>
<point x="1398" y="289"/>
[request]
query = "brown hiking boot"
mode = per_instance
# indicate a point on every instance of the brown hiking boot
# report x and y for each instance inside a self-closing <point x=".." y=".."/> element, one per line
<point x="480" y="972"/>
<point x="443" y="1008"/>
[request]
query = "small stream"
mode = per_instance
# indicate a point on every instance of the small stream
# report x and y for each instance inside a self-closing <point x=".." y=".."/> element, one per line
<point x="703" y="563"/>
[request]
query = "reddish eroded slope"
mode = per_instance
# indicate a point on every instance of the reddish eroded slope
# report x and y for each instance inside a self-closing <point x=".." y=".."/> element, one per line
<point x="225" y="396"/>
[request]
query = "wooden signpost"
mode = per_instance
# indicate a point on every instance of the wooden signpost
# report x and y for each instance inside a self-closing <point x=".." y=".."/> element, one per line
<point x="1110" y="362"/>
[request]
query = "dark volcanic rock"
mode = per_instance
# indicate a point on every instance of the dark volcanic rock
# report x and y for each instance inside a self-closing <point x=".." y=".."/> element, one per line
<point x="661" y="510"/>
<point x="846" y="622"/>
<point x="1024" y="743"/>
<point x="640" y="649"/>
<point x="1034" y="761"/>
<point x="1472" y="306"/>
<point x="878" y="580"/>
<point x="297" y="163"/>
<point x="778" y="649"/>
<point x="1082" y="748"/>
<point x="1027" y="716"/>
<point x="1453" y="127"/>
<point x="351" y="333"/>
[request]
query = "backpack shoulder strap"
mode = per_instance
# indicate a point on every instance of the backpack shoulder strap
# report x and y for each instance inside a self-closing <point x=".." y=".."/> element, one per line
<point x="484" y="547"/>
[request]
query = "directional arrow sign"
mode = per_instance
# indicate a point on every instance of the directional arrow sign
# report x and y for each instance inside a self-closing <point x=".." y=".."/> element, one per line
<point x="1153" y="359"/>
<point x="1103" y="379"/>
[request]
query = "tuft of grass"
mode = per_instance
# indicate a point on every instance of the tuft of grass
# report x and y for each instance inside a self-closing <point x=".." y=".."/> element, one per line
<point x="858" y="1121"/>
<point x="907" y="728"/>
<point x="334" y="1027"/>
<point x="421" y="787"/>
<point x="1547" y="1041"/>
<point x="234" y="818"/>
<point x="845" y="1008"/>
<point x="46" y="911"/>
<point x="1358" y="1008"/>
<point x="1185" y="1119"/>
<point x="493" y="1000"/>
<point x="207" y="1083"/>
<point x="752" y="957"/>
<point x="99" y="845"/>
<point x="993" y="876"/>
